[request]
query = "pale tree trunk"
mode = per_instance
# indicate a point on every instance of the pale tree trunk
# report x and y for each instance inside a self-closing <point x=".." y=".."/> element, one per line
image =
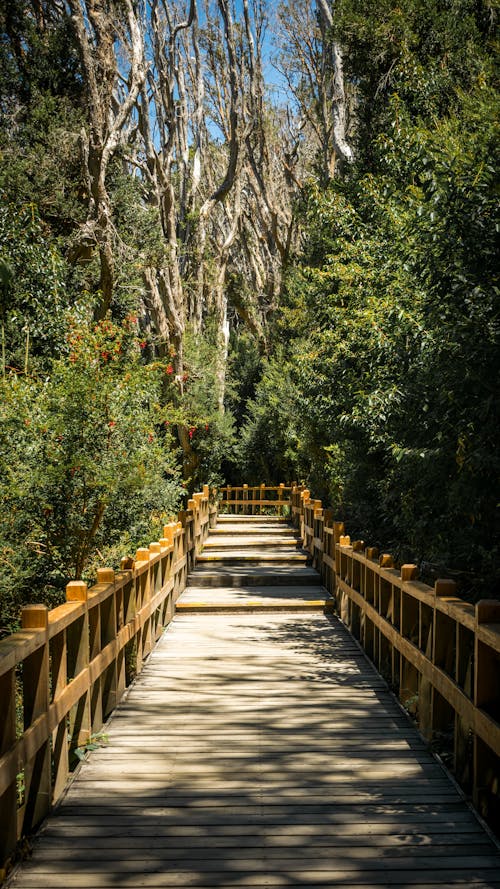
<point x="271" y="156"/>
<point x="335" y="96"/>
<point x="190" y="459"/>
<point x="220" y="299"/>
<point x="171" y="176"/>
<point x="106" y="33"/>
<point x="225" y="195"/>
<point x="312" y="64"/>
<point x="156" y="305"/>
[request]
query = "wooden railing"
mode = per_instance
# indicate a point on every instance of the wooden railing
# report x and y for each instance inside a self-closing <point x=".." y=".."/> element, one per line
<point x="63" y="674"/>
<point x="440" y="654"/>
<point x="254" y="499"/>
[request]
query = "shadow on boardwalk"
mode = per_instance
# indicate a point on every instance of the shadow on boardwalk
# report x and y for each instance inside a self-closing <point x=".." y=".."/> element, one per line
<point x="261" y="751"/>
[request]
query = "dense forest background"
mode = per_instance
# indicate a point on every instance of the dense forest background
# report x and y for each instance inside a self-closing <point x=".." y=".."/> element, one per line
<point x="241" y="242"/>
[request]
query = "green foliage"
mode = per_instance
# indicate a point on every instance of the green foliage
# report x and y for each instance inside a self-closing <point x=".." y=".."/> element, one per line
<point x="41" y="163"/>
<point x="418" y="50"/>
<point x="243" y="373"/>
<point x="37" y="55"/>
<point x="211" y="433"/>
<point x="140" y="237"/>
<point x="270" y="444"/>
<point x="94" y="743"/>
<point x="33" y="299"/>
<point x="87" y="466"/>
<point x="391" y="322"/>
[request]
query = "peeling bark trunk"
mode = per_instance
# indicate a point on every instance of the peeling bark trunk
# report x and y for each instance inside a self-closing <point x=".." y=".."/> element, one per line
<point x="222" y="337"/>
<point x="335" y="96"/>
<point x="103" y="34"/>
<point x="101" y="215"/>
<point x="312" y="64"/>
<point x="156" y="306"/>
<point x="190" y="459"/>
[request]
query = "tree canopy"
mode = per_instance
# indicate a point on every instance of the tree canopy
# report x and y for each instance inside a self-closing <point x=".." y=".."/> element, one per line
<point x="247" y="242"/>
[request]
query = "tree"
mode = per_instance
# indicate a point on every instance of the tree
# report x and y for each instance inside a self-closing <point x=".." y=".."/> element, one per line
<point x="311" y="60"/>
<point x="111" y="48"/>
<point x="87" y="463"/>
<point x="391" y="375"/>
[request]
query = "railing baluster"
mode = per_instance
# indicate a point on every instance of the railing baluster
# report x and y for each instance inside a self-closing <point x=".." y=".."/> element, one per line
<point x="37" y="769"/>
<point x="8" y="797"/>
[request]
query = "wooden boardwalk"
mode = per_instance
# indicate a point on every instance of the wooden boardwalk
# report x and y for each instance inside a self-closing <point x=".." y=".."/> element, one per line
<point x="260" y="748"/>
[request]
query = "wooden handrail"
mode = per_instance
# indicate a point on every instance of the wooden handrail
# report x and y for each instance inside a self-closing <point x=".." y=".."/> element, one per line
<point x="67" y="669"/>
<point x="254" y="499"/>
<point x="439" y="653"/>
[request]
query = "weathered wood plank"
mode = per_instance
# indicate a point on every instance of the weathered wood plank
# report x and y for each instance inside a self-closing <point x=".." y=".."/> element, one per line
<point x="115" y="850"/>
<point x="186" y="836"/>
<point x="285" y="861"/>
<point x="232" y="877"/>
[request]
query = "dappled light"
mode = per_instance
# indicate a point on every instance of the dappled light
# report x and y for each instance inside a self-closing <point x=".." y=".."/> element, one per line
<point x="228" y="766"/>
<point x="259" y="747"/>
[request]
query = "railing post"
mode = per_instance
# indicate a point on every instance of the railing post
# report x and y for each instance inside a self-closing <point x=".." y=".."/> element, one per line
<point x="213" y="508"/>
<point x="8" y="800"/>
<point x="60" y="740"/>
<point x="96" y="716"/>
<point x="114" y="683"/>
<point x="181" y="554"/>
<point x="37" y="772"/>
<point x="328" y="551"/>
<point x="280" y="499"/>
<point x="486" y="791"/>
<point x="409" y="572"/>
<point x="338" y="531"/>
<point x="143" y="586"/>
<point x="78" y="661"/>
<point x="440" y="650"/>
<point x="167" y="542"/>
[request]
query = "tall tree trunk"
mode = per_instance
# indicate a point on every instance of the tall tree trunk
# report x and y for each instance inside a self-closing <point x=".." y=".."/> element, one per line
<point x="220" y="300"/>
<point x="101" y="213"/>
<point x="106" y="34"/>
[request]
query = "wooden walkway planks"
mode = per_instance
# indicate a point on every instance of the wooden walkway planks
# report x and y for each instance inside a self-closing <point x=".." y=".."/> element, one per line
<point x="260" y="749"/>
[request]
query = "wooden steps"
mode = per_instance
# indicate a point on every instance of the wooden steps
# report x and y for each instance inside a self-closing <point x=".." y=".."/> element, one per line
<point x="268" y="530"/>
<point x="238" y="575"/>
<point x="251" y="564"/>
<point x="226" y="544"/>
<point x="251" y="519"/>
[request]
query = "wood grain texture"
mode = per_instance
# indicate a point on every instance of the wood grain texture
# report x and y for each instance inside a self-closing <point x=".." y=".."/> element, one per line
<point x="261" y="749"/>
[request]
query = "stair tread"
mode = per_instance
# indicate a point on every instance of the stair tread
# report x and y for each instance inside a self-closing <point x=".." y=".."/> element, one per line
<point x="242" y="539"/>
<point x="218" y="555"/>
<point x="311" y="592"/>
<point x="251" y="519"/>
<point x="281" y="571"/>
